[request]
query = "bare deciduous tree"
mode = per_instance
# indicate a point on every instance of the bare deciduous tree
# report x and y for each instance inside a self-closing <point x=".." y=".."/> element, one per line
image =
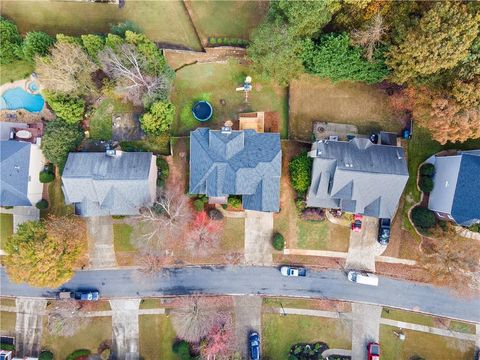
<point x="67" y="70"/>
<point x="64" y="319"/>
<point x="204" y="236"/>
<point x="196" y="315"/>
<point x="370" y="37"/>
<point x="451" y="259"/>
<point x="166" y="220"/>
<point x="218" y="342"/>
<point x="127" y="67"/>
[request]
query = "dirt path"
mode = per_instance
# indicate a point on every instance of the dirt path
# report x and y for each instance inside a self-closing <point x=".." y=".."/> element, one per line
<point x="28" y="326"/>
<point x="248" y="316"/>
<point x="125" y="328"/>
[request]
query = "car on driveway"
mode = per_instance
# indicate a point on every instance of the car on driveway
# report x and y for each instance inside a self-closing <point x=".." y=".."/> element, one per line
<point x="384" y="231"/>
<point x="254" y="345"/>
<point x="357" y="223"/>
<point x="293" y="271"/>
<point x="373" y="350"/>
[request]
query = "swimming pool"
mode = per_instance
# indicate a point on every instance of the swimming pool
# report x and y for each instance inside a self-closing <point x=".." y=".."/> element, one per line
<point x="33" y="86"/>
<point x="17" y="98"/>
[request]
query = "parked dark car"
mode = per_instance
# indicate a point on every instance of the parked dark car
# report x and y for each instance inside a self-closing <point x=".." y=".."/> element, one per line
<point x="87" y="295"/>
<point x="384" y="231"/>
<point x="254" y="344"/>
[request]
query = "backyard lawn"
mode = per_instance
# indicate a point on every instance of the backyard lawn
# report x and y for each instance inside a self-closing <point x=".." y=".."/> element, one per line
<point x="162" y="21"/>
<point x="89" y="337"/>
<point x="216" y="83"/>
<point x="312" y="98"/>
<point x="17" y="70"/>
<point x="156" y="337"/>
<point x="6" y="228"/>
<point x="101" y="120"/>
<point x="56" y="201"/>
<point x="421" y="344"/>
<point x="233" y="19"/>
<point x="281" y="332"/>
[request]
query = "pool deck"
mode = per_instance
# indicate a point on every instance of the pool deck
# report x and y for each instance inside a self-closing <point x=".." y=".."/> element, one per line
<point x="22" y="115"/>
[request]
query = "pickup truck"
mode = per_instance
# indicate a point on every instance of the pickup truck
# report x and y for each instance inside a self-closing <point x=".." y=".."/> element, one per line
<point x="293" y="271"/>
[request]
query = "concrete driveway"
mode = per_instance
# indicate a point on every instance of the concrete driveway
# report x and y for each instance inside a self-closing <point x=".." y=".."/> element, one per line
<point x="364" y="246"/>
<point x="248" y="315"/>
<point x="125" y="328"/>
<point x="28" y="326"/>
<point x="100" y="242"/>
<point x="365" y="328"/>
<point x="258" y="238"/>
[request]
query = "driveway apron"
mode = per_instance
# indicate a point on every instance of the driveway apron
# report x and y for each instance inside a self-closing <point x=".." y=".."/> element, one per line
<point x="28" y="326"/>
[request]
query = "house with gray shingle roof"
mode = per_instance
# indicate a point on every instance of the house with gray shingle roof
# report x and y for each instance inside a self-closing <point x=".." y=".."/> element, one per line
<point x="357" y="176"/>
<point x="99" y="184"/>
<point x="456" y="192"/>
<point x="228" y="162"/>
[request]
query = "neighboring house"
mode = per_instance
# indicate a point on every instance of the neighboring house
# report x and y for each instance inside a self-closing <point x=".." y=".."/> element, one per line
<point x="456" y="191"/>
<point x="110" y="183"/>
<point x="21" y="163"/>
<point x="228" y="162"/>
<point x="357" y="176"/>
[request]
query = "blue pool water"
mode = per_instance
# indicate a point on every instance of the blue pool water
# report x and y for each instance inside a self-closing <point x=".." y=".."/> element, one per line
<point x="33" y="86"/>
<point x="17" y="98"/>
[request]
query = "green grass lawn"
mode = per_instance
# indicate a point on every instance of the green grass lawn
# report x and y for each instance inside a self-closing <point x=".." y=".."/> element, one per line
<point x="233" y="235"/>
<point x="156" y="337"/>
<point x="162" y="21"/>
<point x="7" y="322"/>
<point x="235" y="19"/>
<point x="6" y="228"/>
<point x="56" y="201"/>
<point x="426" y="345"/>
<point x="121" y="237"/>
<point x="15" y="71"/>
<point x="89" y="337"/>
<point x="8" y="301"/>
<point x="322" y="235"/>
<point x="150" y="303"/>
<point x="217" y="83"/>
<point x="101" y="120"/>
<point x="281" y="332"/>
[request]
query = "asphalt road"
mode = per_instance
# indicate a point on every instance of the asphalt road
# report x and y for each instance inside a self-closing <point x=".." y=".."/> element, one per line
<point x="237" y="280"/>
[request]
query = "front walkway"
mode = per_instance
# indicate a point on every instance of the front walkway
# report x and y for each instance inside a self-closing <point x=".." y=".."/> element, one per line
<point x="258" y="238"/>
<point x="125" y="328"/>
<point x="100" y="242"/>
<point x="28" y="326"/>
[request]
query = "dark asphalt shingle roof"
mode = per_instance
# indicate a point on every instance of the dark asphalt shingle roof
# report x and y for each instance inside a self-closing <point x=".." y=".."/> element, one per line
<point x="14" y="173"/>
<point x="240" y="163"/>
<point x="357" y="176"/>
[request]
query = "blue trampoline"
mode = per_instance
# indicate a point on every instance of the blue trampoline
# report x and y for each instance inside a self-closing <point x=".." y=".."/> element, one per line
<point x="202" y="110"/>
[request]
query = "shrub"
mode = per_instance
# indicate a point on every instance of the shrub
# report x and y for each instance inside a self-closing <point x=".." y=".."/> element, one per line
<point x="198" y="205"/>
<point x="220" y="41"/>
<point x="121" y="28"/>
<point x="214" y="214"/>
<point x="68" y="108"/>
<point x="163" y="167"/>
<point x="425" y="184"/>
<point x="36" y="43"/>
<point x="313" y="214"/>
<point x="42" y="204"/>
<point x="132" y="146"/>
<point x="427" y="169"/>
<point x="11" y="41"/>
<point x="46" y="177"/>
<point x="475" y="228"/>
<point x="59" y="139"/>
<point x="159" y="118"/>
<point x="182" y="350"/>
<point x="8" y="347"/>
<point x="300" y="168"/>
<point x="78" y="354"/>
<point x="278" y="242"/>
<point x="423" y="218"/>
<point x="300" y="204"/>
<point x="235" y="202"/>
<point x="213" y="41"/>
<point x="45" y="355"/>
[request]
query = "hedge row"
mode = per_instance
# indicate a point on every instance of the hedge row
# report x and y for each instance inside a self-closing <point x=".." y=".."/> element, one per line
<point x="225" y="41"/>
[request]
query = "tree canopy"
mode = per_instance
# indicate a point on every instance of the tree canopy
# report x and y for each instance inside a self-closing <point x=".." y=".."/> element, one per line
<point x="333" y="57"/>
<point x="439" y="41"/>
<point x="275" y="52"/>
<point x="159" y="118"/>
<point x="59" y="139"/>
<point x="45" y="254"/>
<point x="36" y="43"/>
<point x="11" y="41"/>
<point x="68" y="108"/>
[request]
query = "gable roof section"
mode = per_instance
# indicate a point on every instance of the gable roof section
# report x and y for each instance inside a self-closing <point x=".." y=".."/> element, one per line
<point x="103" y="185"/>
<point x="238" y="163"/>
<point x="357" y="176"/>
<point x="14" y="168"/>
<point x="466" y="202"/>
<point x="445" y="183"/>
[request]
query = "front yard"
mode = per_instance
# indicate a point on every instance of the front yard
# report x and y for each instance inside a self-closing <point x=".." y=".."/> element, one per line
<point x="424" y="345"/>
<point x="156" y="337"/>
<point x="216" y="82"/>
<point x="281" y="332"/>
<point x="315" y="99"/>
